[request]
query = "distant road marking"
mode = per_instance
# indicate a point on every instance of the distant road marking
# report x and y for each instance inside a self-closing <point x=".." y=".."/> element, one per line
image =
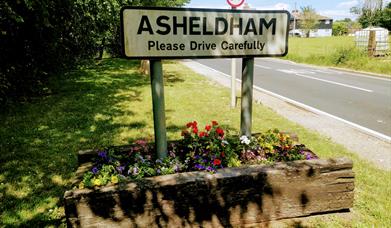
<point x="324" y="80"/>
<point x="312" y="109"/>
<point x="335" y="83"/>
<point x="264" y="67"/>
<point x="342" y="71"/>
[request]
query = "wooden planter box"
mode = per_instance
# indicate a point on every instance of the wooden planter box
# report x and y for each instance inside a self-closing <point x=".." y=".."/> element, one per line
<point x="233" y="197"/>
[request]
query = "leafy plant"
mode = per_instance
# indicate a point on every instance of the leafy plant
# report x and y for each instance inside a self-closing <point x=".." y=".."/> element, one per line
<point x="200" y="149"/>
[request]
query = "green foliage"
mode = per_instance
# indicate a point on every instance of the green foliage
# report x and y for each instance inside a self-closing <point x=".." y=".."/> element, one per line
<point x="345" y="54"/>
<point x="385" y="20"/>
<point x="205" y="150"/>
<point x="371" y="13"/>
<point x="39" y="140"/>
<point x="337" y="51"/>
<point x="39" y="38"/>
<point x="340" y="28"/>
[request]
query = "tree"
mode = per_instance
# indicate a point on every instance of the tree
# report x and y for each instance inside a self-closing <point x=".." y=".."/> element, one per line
<point x="340" y="28"/>
<point x="385" y="20"/>
<point x="309" y="19"/>
<point x="370" y="12"/>
<point x="41" y="37"/>
<point x="345" y="26"/>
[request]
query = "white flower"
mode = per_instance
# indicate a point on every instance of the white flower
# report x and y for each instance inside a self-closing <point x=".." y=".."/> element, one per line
<point x="244" y="140"/>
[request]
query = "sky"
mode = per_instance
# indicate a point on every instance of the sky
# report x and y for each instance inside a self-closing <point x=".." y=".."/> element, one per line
<point x="336" y="9"/>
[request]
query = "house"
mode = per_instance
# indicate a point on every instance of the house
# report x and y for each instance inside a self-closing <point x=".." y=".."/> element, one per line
<point x="322" y="29"/>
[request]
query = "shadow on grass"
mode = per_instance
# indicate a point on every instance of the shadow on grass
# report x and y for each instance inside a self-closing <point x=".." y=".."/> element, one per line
<point x="39" y="140"/>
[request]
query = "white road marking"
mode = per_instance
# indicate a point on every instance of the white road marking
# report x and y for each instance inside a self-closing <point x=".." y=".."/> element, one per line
<point x="312" y="109"/>
<point x="324" y="80"/>
<point x="264" y="67"/>
<point x="288" y="62"/>
<point x="336" y="83"/>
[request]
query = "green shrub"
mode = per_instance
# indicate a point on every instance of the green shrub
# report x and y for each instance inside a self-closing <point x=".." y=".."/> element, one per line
<point x="344" y="55"/>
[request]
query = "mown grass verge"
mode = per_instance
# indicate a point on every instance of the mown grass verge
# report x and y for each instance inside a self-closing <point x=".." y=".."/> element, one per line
<point x="336" y="51"/>
<point x="109" y="103"/>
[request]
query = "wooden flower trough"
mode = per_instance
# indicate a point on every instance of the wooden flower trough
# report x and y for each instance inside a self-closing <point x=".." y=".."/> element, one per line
<point x="233" y="197"/>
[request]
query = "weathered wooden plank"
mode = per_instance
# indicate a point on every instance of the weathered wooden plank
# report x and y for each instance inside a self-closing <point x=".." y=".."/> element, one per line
<point x="232" y="197"/>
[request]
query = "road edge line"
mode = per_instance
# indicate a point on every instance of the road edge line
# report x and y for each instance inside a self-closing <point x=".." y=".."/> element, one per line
<point x="311" y="109"/>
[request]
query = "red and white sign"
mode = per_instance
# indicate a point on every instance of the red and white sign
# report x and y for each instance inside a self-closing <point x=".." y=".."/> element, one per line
<point x="235" y="3"/>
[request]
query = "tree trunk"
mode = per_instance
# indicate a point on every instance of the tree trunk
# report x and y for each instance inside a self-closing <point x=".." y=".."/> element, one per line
<point x="101" y="49"/>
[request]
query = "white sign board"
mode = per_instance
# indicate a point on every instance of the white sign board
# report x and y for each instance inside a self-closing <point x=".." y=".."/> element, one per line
<point x="203" y="33"/>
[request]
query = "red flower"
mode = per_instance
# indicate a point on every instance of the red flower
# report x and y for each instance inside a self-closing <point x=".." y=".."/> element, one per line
<point x="220" y="132"/>
<point x="192" y="124"/>
<point x="208" y="127"/>
<point x="217" y="162"/>
<point x="195" y="130"/>
<point x="214" y="123"/>
<point x="203" y="134"/>
<point x="222" y="154"/>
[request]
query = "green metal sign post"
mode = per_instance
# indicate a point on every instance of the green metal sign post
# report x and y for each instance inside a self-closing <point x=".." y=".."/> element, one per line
<point x="159" y="116"/>
<point x="247" y="96"/>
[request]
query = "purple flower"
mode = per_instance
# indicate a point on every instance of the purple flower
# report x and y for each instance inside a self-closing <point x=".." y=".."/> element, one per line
<point x="95" y="170"/>
<point x="158" y="171"/>
<point x="308" y="156"/>
<point x="176" y="168"/>
<point x="158" y="161"/>
<point x="210" y="169"/>
<point x="198" y="166"/>
<point x="102" y="154"/>
<point x="120" y="169"/>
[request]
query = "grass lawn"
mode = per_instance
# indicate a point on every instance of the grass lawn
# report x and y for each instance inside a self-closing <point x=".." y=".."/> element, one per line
<point x="336" y="51"/>
<point x="109" y="103"/>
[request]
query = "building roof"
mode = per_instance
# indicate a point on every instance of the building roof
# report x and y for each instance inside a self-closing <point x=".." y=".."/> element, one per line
<point x="298" y="16"/>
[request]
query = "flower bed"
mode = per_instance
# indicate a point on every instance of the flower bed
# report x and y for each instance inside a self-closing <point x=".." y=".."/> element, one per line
<point x="199" y="183"/>
<point x="206" y="150"/>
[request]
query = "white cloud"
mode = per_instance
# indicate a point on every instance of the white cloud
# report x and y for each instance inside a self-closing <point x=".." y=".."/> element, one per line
<point x="281" y="6"/>
<point x="347" y="4"/>
<point x="337" y="14"/>
<point x="278" y="6"/>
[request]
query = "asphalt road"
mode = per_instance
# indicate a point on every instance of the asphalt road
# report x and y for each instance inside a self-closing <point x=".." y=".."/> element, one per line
<point x="358" y="98"/>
